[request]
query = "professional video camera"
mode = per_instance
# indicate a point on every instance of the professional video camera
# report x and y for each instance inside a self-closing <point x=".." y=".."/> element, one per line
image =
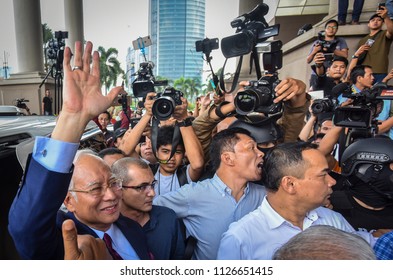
<point x="55" y="49"/>
<point x="251" y="28"/>
<point x="323" y="105"/>
<point x="364" y="110"/>
<point x="145" y="80"/>
<point x="165" y="103"/>
<point x="21" y="103"/>
<point x="327" y="46"/>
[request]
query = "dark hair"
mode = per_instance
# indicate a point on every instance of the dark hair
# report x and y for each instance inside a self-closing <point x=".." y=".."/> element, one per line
<point x="225" y="141"/>
<point x="165" y="136"/>
<point x="285" y="159"/>
<point x="331" y="21"/>
<point x="339" y="58"/>
<point x="358" y="71"/>
<point x="110" y="151"/>
<point x="107" y="113"/>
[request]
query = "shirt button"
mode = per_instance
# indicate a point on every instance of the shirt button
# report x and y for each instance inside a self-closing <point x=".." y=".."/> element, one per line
<point x="44" y="152"/>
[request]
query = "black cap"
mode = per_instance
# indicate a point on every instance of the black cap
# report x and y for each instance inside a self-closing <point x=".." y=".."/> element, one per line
<point x="119" y="133"/>
<point x="374" y="16"/>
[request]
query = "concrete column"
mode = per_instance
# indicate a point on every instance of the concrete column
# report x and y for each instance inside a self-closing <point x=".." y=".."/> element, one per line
<point x="73" y="14"/>
<point x="28" y="29"/>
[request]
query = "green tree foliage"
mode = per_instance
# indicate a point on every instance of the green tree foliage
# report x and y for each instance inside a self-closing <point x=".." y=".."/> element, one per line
<point x="109" y="67"/>
<point x="190" y="87"/>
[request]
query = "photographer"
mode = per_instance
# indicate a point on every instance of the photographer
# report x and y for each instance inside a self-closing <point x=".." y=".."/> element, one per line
<point x="362" y="80"/>
<point x="170" y="173"/>
<point x="329" y="43"/>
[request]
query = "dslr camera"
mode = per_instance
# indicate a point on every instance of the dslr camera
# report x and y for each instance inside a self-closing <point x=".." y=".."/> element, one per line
<point x="145" y="80"/>
<point x="258" y="97"/>
<point x="327" y="46"/>
<point x="323" y="105"/>
<point x="165" y="103"/>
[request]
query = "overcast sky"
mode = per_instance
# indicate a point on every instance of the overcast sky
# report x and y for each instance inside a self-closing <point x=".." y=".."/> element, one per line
<point x="116" y="23"/>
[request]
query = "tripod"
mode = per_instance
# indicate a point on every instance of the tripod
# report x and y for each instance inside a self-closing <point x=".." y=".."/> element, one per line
<point x="58" y="77"/>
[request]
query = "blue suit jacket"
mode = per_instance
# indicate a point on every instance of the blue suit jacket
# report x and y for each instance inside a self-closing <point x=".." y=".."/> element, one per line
<point x="35" y="220"/>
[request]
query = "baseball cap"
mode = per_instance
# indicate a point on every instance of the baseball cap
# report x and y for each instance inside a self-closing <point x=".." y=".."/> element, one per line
<point x="374" y="16"/>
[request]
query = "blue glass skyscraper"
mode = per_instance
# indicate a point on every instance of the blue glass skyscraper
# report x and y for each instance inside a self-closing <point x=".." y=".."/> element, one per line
<point x="175" y="25"/>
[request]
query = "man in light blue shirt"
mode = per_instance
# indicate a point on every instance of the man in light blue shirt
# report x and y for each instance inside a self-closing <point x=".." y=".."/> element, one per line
<point x="208" y="207"/>
<point x="297" y="183"/>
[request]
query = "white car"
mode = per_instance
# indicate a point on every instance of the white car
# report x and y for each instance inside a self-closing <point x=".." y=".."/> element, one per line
<point x="17" y="134"/>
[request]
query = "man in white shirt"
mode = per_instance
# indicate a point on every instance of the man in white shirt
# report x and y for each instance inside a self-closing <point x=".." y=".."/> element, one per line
<point x="298" y="184"/>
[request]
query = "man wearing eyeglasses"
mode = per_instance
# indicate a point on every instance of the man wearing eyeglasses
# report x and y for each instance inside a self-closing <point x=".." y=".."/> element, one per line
<point x="327" y="43"/>
<point x="159" y="223"/>
<point x="88" y="188"/>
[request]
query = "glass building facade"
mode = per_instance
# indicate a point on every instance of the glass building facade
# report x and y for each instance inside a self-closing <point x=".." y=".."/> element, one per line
<point x="174" y="27"/>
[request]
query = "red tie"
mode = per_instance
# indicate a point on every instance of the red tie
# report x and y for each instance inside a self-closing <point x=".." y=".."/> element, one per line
<point x="108" y="242"/>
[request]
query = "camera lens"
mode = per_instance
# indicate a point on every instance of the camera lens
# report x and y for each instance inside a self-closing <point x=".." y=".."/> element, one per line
<point x="163" y="108"/>
<point x="245" y="102"/>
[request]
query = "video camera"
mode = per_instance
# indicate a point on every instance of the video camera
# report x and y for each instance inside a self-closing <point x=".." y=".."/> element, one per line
<point x="21" y="103"/>
<point x="327" y="46"/>
<point x="251" y="28"/>
<point x="55" y="49"/>
<point x="145" y="80"/>
<point x="165" y="103"/>
<point x="366" y="107"/>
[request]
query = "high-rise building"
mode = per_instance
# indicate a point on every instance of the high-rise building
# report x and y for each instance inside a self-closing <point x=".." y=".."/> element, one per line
<point x="174" y="26"/>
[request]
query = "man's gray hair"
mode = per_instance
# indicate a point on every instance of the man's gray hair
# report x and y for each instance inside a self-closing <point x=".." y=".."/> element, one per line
<point x="120" y="167"/>
<point x="323" y="242"/>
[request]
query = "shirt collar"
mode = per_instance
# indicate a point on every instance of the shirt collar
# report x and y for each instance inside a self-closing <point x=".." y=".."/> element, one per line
<point x="275" y="220"/>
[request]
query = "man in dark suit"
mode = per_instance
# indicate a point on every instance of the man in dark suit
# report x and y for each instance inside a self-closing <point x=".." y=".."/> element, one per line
<point x="88" y="190"/>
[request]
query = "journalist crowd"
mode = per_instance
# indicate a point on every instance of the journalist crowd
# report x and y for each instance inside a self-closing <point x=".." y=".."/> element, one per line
<point x="263" y="172"/>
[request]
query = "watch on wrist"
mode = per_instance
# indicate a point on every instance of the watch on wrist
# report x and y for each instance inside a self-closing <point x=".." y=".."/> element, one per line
<point x="184" y="123"/>
<point x="355" y="56"/>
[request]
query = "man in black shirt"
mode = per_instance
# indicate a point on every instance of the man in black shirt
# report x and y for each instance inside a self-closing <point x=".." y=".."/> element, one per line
<point x="363" y="193"/>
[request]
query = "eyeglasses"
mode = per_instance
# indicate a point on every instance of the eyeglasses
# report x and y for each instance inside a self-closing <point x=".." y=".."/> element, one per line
<point x="99" y="190"/>
<point x="331" y="27"/>
<point x="143" y="187"/>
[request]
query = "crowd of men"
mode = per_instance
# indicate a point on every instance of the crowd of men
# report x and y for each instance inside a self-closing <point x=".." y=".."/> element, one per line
<point x="211" y="185"/>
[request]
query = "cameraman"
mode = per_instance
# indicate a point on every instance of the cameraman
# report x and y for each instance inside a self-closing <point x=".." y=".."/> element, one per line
<point x="363" y="193"/>
<point x="328" y="43"/>
<point x="337" y="45"/>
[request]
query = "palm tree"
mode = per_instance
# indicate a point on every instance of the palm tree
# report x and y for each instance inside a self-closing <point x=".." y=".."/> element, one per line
<point x="109" y="67"/>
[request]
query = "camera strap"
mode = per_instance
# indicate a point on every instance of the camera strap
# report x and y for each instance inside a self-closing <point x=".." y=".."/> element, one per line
<point x="154" y="137"/>
<point x="235" y="77"/>
<point x="253" y="57"/>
